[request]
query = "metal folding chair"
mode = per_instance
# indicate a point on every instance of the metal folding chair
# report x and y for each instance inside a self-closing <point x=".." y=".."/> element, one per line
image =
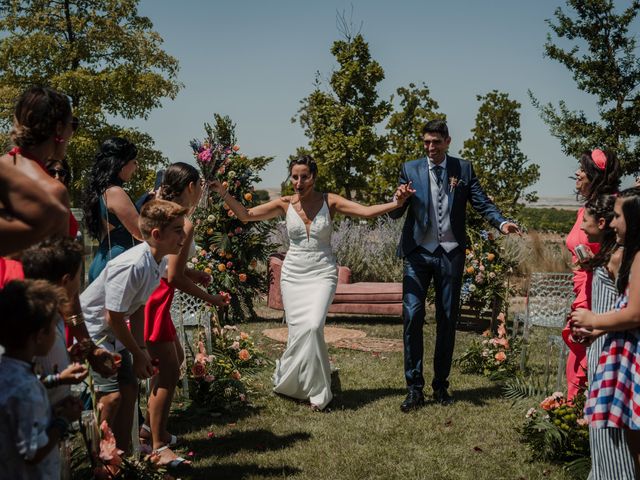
<point x="549" y="298"/>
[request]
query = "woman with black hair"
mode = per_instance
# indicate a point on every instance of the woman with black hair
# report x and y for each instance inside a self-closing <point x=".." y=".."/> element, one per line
<point x="598" y="174"/>
<point x="110" y="215"/>
<point x="309" y="274"/>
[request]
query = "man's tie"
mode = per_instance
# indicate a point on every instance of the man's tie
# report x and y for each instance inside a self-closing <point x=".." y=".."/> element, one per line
<point x="439" y="171"/>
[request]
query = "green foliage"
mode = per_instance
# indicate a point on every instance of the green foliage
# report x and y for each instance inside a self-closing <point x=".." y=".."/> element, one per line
<point x="218" y="378"/>
<point x="102" y="54"/>
<point x="604" y="63"/>
<point x="341" y="123"/>
<point x="548" y="219"/>
<point x="403" y="138"/>
<point x="231" y="249"/>
<point x="493" y="356"/>
<point x="557" y="431"/>
<point x="505" y="173"/>
<point x="519" y="388"/>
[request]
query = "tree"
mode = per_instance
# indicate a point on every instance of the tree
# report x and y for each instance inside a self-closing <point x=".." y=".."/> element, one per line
<point x="503" y="170"/>
<point x="341" y="123"/>
<point x="604" y="64"/>
<point x="403" y="138"/>
<point x="102" y="54"/>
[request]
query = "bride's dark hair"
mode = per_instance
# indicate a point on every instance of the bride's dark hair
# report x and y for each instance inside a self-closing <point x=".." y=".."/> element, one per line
<point x="305" y="160"/>
<point x="114" y="154"/>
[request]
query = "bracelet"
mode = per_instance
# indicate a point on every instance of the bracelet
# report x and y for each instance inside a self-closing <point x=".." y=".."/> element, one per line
<point x="51" y="381"/>
<point x="74" y="320"/>
<point x="61" y="424"/>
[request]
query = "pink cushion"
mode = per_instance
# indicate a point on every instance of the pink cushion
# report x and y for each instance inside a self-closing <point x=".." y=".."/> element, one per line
<point x="368" y="292"/>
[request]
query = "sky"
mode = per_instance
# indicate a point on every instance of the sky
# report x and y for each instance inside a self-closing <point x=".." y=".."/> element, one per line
<point x="255" y="61"/>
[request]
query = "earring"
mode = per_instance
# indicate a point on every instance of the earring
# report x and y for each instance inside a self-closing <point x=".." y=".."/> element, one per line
<point x="58" y="140"/>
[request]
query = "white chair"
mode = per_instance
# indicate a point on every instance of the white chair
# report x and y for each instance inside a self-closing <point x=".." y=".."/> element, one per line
<point x="187" y="310"/>
<point x="549" y="299"/>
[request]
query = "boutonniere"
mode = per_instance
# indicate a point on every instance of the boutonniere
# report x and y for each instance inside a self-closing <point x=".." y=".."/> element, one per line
<point x="453" y="182"/>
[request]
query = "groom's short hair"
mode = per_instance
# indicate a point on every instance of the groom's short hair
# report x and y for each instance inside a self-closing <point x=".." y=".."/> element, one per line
<point x="436" y="126"/>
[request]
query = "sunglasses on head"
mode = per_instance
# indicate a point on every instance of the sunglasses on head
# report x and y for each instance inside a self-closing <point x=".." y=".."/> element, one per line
<point x="58" y="172"/>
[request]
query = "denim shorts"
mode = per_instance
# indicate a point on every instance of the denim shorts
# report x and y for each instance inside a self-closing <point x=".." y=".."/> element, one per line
<point x="125" y="376"/>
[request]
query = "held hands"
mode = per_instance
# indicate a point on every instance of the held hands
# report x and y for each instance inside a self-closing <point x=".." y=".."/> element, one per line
<point x="74" y="374"/>
<point x="583" y="318"/>
<point x="403" y="192"/>
<point x="102" y="361"/>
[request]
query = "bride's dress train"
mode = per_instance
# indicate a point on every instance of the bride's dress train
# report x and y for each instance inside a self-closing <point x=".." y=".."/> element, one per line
<point x="308" y="284"/>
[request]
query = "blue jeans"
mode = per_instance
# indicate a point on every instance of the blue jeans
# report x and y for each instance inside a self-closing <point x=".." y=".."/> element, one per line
<point x="446" y="269"/>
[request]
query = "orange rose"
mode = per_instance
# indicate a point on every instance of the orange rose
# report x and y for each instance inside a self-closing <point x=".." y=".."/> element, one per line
<point x="244" y="355"/>
<point x="242" y="277"/>
<point x="225" y="184"/>
<point x="209" y="231"/>
<point x="244" y="335"/>
<point x="221" y="267"/>
<point x="236" y="375"/>
<point x="208" y="270"/>
<point x="491" y="257"/>
<point x="248" y="197"/>
<point x="501" y="357"/>
<point x="470" y="270"/>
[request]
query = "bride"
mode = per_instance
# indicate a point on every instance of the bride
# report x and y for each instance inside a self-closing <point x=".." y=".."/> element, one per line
<point x="309" y="274"/>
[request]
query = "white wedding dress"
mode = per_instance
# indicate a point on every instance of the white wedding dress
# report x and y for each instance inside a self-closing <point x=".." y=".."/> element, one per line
<point x="308" y="284"/>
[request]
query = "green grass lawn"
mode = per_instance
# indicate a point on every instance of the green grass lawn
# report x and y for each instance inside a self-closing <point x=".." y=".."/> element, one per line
<point x="365" y="436"/>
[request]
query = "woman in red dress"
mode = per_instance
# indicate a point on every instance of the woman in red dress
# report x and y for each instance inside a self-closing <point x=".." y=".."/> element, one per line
<point x="598" y="174"/>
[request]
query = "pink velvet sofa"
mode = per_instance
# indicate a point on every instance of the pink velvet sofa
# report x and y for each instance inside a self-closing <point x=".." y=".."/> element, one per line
<point x="368" y="298"/>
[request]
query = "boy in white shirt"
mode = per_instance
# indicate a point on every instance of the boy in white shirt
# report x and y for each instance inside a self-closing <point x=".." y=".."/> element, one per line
<point x="120" y="293"/>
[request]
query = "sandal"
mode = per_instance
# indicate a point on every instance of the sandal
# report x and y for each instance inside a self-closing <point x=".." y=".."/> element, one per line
<point x="173" y="441"/>
<point x="176" y="462"/>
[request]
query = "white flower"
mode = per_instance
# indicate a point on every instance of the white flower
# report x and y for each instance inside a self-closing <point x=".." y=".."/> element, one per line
<point x="189" y="265"/>
<point x="472" y="288"/>
<point x="211" y="218"/>
<point x="232" y="174"/>
<point x="194" y="260"/>
<point x="492" y="275"/>
<point x="531" y="412"/>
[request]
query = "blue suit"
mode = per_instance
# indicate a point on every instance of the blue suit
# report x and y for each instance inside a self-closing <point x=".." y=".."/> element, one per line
<point x="445" y="268"/>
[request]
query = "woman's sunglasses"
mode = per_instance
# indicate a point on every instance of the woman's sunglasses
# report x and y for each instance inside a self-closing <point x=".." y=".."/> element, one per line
<point x="58" y="172"/>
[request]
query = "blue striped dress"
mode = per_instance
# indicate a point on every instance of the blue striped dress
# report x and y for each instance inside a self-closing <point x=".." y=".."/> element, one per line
<point x="610" y="455"/>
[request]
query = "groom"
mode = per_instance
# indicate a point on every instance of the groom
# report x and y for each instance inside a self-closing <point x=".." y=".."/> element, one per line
<point x="433" y="248"/>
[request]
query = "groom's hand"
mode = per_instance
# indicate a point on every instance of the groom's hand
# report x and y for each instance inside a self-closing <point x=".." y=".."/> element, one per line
<point x="403" y="192"/>
<point x="510" y="227"/>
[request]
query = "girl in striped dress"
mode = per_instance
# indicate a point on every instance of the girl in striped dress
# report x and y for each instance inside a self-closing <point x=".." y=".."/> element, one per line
<point x="614" y="396"/>
<point x="610" y="455"/>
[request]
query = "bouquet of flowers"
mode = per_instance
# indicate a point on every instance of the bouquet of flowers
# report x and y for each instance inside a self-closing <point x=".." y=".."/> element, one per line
<point x="231" y="250"/>
<point x="485" y="272"/>
<point x="557" y="430"/>
<point x="493" y="356"/>
<point x="219" y="378"/>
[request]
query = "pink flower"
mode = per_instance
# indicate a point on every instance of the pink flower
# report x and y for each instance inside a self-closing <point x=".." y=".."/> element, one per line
<point x="582" y="422"/>
<point x="198" y="370"/>
<point x="109" y="453"/>
<point x="211" y="435"/>
<point x="531" y="412"/>
<point x="501" y="357"/>
<point x="238" y="230"/>
<point x="502" y="331"/>
<point x="236" y="375"/>
<point x="244" y="335"/>
<point x="500" y="317"/>
<point x="503" y="342"/>
<point x="235" y="345"/>
<point x="209" y="378"/>
<point x="205" y="155"/>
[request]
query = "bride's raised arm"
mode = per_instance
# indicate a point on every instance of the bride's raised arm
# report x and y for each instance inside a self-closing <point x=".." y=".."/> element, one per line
<point x="347" y="207"/>
<point x="265" y="211"/>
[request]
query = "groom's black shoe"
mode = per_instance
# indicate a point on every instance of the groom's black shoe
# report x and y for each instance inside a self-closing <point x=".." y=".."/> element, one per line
<point x="442" y="396"/>
<point x="414" y="400"/>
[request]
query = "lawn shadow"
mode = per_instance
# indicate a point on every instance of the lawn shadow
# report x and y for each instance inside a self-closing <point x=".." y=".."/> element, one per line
<point x="182" y="420"/>
<point x="260" y="440"/>
<point x="478" y="396"/>
<point x="239" y="471"/>
<point x="356" y="399"/>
